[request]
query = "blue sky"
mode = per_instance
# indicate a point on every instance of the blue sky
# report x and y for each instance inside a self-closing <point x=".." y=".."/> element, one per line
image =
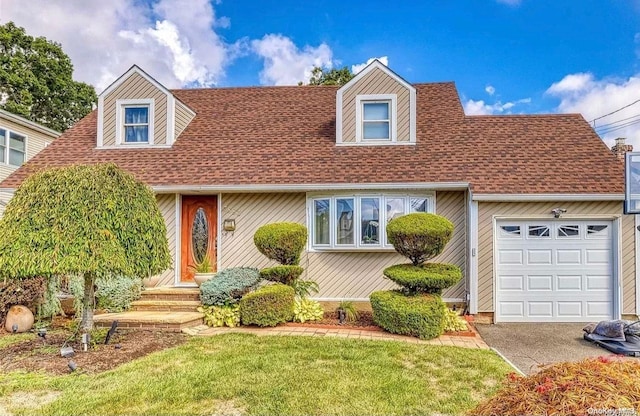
<point x="505" y="56"/>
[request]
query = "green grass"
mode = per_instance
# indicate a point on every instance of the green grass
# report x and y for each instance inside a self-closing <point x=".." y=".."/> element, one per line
<point x="275" y="375"/>
<point x="10" y="339"/>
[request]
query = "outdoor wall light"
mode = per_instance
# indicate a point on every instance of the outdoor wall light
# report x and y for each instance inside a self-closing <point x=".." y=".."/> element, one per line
<point x="229" y="224"/>
<point x="557" y="212"/>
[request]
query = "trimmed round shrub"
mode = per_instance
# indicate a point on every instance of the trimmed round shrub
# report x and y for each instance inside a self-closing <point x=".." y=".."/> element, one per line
<point x="421" y="316"/>
<point x="425" y="278"/>
<point x="281" y="241"/>
<point x="267" y="306"/>
<point x="228" y="286"/>
<point x="419" y="236"/>
<point x="282" y="274"/>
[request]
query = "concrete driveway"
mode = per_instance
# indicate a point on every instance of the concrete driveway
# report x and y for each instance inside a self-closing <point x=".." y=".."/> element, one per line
<point x="528" y="345"/>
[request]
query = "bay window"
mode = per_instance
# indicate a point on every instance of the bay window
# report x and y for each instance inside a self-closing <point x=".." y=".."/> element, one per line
<point x="358" y="222"/>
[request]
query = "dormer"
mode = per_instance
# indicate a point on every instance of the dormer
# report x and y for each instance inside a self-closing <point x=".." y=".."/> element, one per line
<point x="376" y="107"/>
<point x="137" y="111"/>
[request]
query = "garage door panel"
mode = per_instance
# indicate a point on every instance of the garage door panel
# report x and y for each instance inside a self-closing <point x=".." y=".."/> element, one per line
<point x="558" y="271"/>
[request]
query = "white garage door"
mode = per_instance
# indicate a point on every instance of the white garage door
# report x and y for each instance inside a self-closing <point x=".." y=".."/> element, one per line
<point x="559" y="271"/>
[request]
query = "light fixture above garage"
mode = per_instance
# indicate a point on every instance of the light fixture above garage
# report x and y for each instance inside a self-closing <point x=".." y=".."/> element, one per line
<point x="557" y="212"/>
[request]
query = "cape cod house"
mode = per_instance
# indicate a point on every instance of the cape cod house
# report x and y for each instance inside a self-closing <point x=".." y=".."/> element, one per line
<point x="537" y="200"/>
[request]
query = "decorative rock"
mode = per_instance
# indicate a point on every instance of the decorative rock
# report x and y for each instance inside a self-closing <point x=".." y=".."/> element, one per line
<point x="21" y="316"/>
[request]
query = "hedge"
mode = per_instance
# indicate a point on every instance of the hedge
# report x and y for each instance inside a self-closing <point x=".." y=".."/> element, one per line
<point x="419" y="236"/>
<point x="282" y="274"/>
<point x="281" y="241"/>
<point x="228" y="286"/>
<point x="419" y="315"/>
<point x="267" y="306"/>
<point x="426" y="278"/>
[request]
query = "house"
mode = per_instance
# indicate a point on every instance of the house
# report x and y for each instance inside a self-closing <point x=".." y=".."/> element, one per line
<point x="20" y="140"/>
<point x="537" y="200"/>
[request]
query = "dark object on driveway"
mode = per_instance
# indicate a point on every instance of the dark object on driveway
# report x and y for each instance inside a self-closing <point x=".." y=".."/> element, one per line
<point x="629" y="345"/>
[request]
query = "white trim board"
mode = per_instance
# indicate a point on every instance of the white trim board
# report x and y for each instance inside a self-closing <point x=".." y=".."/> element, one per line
<point x="473" y="256"/>
<point x="546" y="197"/>
<point x="637" y="247"/>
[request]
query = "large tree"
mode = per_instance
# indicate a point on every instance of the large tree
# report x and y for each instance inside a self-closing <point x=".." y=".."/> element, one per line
<point x="36" y="80"/>
<point x="333" y="76"/>
<point x="88" y="220"/>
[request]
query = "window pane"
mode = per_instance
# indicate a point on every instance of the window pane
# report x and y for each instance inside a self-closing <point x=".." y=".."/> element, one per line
<point x="136" y="115"/>
<point x="16" y="158"/>
<point x="395" y="208"/>
<point x="200" y="236"/>
<point x="136" y="134"/>
<point x="538" y="231"/>
<point x="321" y="223"/>
<point x="568" y="231"/>
<point x="16" y="141"/>
<point x="418" y="205"/>
<point x="344" y="221"/>
<point x="3" y="149"/>
<point x="376" y="111"/>
<point x="3" y="134"/>
<point x="375" y="130"/>
<point x="370" y="220"/>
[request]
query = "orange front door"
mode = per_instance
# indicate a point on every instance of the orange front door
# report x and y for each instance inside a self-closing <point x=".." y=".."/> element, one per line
<point x="198" y="233"/>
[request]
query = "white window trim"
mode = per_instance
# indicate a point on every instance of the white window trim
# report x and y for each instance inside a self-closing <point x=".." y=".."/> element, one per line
<point x="7" y="147"/>
<point x="358" y="246"/>
<point x="393" y="117"/>
<point x="120" y="106"/>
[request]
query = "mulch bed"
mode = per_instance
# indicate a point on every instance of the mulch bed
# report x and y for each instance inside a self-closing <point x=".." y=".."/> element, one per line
<point x="124" y="346"/>
<point x="330" y="320"/>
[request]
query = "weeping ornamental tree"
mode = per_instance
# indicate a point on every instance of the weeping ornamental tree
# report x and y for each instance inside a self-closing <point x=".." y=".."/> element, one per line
<point x="93" y="221"/>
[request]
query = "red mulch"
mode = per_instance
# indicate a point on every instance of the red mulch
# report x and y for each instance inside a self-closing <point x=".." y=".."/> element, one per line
<point x="125" y="345"/>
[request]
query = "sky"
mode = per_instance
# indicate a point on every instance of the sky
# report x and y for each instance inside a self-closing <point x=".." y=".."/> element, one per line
<point x="505" y="56"/>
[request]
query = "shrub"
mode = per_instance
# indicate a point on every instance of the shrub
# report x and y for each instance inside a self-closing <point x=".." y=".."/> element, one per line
<point x="605" y="384"/>
<point x="115" y="294"/>
<point x="281" y="241"/>
<point x="419" y="236"/>
<point x="453" y="322"/>
<point x="425" y="278"/>
<point x="350" y="310"/>
<point x="26" y="292"/>
<point x="307" y="310"/>
<point x="282" y="274"/>
<point x="267" y="306"/>
<point x="418" y="315"/>
<point x="216" y="316"/>
<point x="50" y="305"/>
<point x="228" y="286"/>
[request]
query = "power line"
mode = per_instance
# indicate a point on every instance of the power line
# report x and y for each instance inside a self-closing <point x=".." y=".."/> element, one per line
<point x="615" y="111"/>
<point x="615" y="128"/>
<point x="606" y="125"/>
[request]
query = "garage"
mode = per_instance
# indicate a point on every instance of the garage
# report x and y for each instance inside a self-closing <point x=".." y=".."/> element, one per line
<point x="554" y="271"/>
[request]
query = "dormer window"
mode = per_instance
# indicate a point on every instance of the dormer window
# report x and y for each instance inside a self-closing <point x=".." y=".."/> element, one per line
<point x="376" y="118"/>
<point x="136" y="124"/>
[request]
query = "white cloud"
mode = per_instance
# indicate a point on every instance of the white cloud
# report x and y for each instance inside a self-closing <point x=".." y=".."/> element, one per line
<point x="285" y="63"/>
<point x="583" y="93"/>
<point x="490" y="89"/>
<point x="384" y="60"/>
<point x="176" y="44"/>
<point x="480" y="107"/>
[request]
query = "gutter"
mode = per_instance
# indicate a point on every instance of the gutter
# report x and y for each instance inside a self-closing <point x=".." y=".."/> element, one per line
<point x="438" y="186"/>
<point x="546" y="197"/>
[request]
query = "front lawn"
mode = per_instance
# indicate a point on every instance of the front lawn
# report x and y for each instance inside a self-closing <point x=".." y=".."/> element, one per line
<point x="243" y="374"/>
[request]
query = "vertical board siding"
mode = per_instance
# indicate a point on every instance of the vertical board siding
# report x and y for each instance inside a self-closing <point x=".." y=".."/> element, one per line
<point x="183" y="118"/>
<point x="487" y="210"/>
<point x="135" y="87"/>
<point x="339" y="274"/>
<point x="167" y="205"/>
<point x="375" y="82"/>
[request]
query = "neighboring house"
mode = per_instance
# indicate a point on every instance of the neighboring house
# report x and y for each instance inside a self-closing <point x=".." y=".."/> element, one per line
<point x="343" y="161"/>
<point x="20" y="140"/>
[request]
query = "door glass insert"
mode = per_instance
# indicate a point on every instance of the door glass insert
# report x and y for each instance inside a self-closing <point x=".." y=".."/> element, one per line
<point x="510" y="230"/>
<point x="200" y="235"/>
<point x="595" y="229"/>
<point x="538" y="231"/>
<point x="568" y="231"/>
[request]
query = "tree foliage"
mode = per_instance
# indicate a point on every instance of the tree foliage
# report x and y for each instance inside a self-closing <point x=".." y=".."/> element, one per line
<point x="94" y="221"/>
<point x="36" y="80"/>
<point x="332" y="76"/>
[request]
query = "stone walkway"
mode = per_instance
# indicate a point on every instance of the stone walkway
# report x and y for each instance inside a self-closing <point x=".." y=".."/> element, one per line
<point x="348" y="333"/>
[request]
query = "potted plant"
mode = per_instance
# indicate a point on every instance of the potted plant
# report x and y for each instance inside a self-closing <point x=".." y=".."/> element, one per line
<point x="203" y="271"/>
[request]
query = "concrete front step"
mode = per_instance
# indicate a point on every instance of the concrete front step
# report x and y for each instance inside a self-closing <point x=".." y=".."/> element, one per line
<point x="166" y="321"/>
<point x="165" y="305"/>
<point x="171" y="294"/>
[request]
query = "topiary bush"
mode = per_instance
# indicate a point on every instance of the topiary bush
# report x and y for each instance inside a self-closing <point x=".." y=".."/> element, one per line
<point x="228" y="286"/>
<point x="267" y="306"/>
<point x="425" y="278"/>
<point x="282" y="274"/>
<point x="419" y="236"/>
<point x="420" y="315"/>
<point x="281" y="241"/>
